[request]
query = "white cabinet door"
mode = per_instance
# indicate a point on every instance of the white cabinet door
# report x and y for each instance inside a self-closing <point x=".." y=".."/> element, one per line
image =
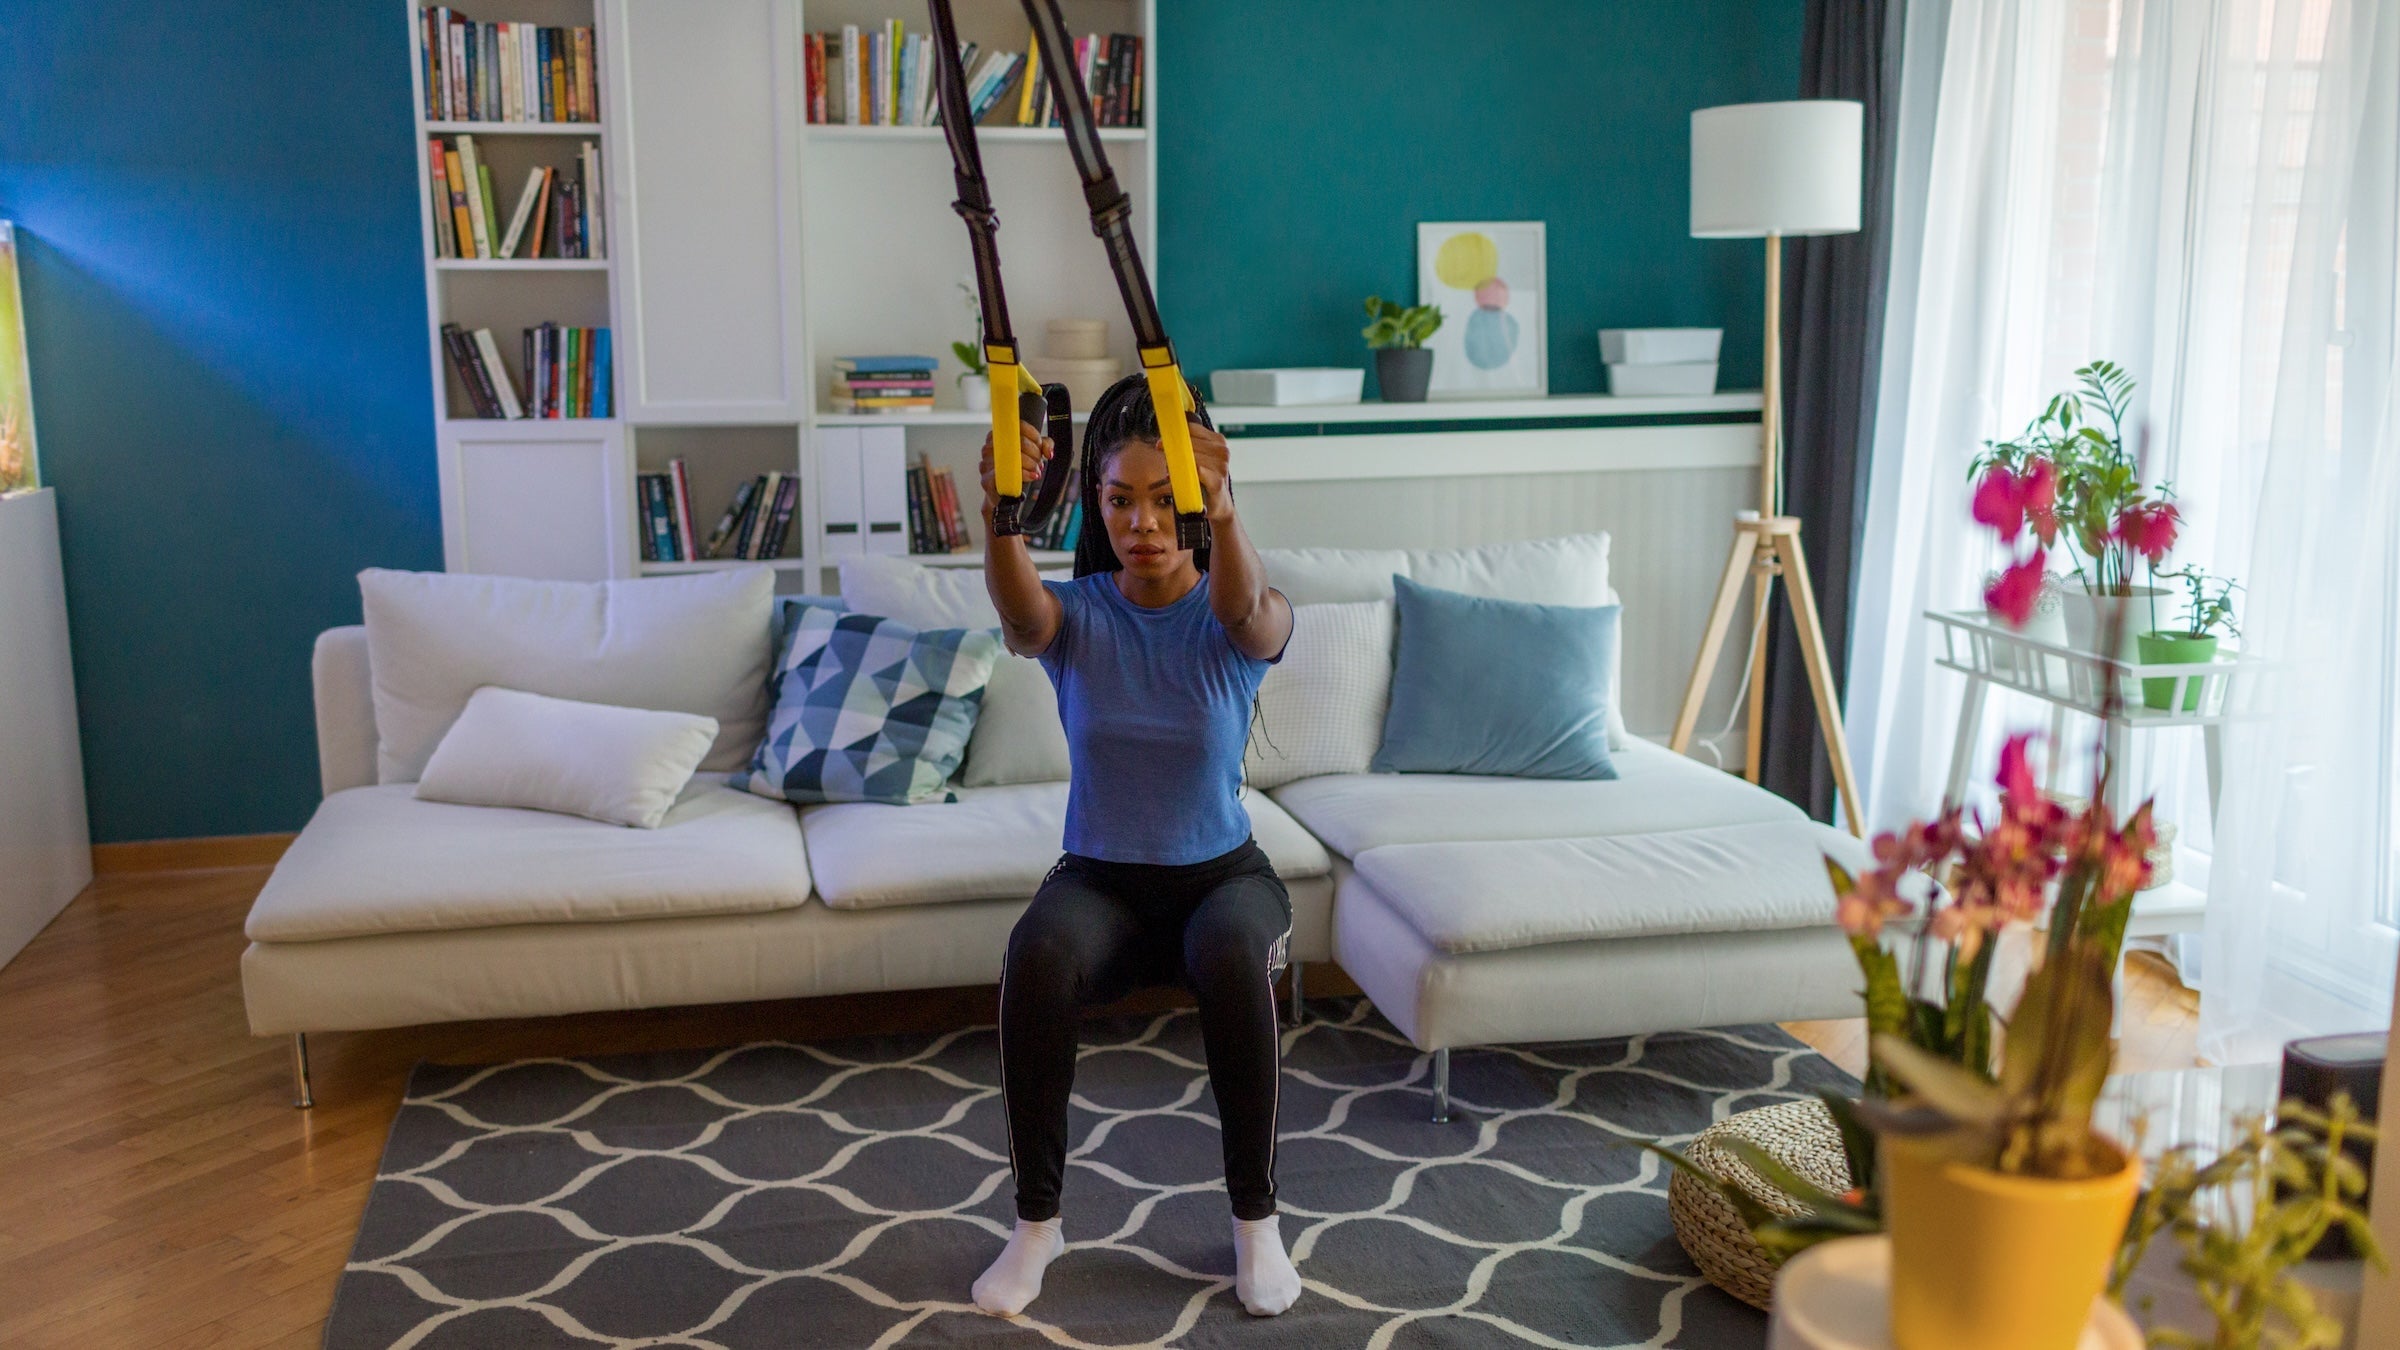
<point x="704" y="125"/>
<point x="538" y="499"/>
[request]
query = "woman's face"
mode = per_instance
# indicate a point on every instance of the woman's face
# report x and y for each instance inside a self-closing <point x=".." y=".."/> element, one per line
<point x="1137" y="503"/>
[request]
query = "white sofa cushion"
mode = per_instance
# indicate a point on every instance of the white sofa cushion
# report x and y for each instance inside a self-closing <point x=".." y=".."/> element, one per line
<point x="1655" y="789"/>
<point x="1499" y="896"/>
<point x="619" y="766"/>
<point x="1018" y="737"/>
<point x="1320" y="709"/>
<point x="376" y="860"/>
<point x="992" y="843"/>
<point x="1568" y="570"/>
<point x="696" y="644"/>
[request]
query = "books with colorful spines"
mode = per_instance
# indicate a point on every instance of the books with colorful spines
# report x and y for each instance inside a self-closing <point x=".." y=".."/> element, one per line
<point x="445" y="238"/>
<point x="519" y="218"/>
<point x="886" y="364"/>
<point x="461" y="218"/>
<point x="592" y="198"/>
<point x="538" y="229"/>
<point x="779" y="523"/>
<point x="487" y="353"/>
<point x="587" y="91"/>
<point x="714" y="545"/>
<point x="1028" y="93"/>
<point x="469" y="366"/>
<point x="657" y="544"/>
<point x="754" y="533"/>
<point x="686" y="536"/>
<point x="916" y="511"/>
<point x="604" y="383"/>
<point x="472" y="182"/>
<point x="812" y="62"/>
<point x="960" y="540"/>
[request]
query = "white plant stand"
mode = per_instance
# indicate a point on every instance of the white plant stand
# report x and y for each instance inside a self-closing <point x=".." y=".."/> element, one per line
<point x="1991" y="654"/>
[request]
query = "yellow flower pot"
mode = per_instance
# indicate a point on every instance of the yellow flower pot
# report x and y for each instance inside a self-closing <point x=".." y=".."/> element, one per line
<point x="1986" y="1261"/>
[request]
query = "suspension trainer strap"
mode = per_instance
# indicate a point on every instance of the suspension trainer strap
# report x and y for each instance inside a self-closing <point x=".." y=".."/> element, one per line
<point x="1016" y="394"/>
<point x="1112" y="220"/>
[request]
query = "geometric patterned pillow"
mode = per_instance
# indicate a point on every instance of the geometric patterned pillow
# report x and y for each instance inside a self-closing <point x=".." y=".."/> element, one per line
<point x="869" y="710"/>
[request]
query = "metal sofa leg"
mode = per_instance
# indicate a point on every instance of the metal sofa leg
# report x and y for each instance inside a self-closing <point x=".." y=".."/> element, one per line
<point x="302" y="1097"/>
<point x="1441" y="1087"/>
<point x="1296" y="994"/>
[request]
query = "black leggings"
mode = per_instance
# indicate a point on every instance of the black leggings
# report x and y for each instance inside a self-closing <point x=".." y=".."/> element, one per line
<point x="1099" y="930"/>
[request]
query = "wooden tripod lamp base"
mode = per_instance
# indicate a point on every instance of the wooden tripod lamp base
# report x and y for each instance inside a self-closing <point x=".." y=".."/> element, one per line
<point x="1763" y="549"/>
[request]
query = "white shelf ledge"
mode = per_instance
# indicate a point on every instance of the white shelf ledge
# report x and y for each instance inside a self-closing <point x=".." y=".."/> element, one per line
<point x="845" y="131"/>
<point x="1492" y="409"/>
<point x="517" y="128"/>
<point x="1261" y="456"/>
<point x="520" y="264"/>
<point x="660" y="569"/>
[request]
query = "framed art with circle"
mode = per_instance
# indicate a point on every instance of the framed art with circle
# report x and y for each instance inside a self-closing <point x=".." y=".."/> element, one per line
<point x="1490" y="280"/>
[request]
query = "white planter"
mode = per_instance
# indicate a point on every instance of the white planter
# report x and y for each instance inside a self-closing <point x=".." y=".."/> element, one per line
<point x="2092" y="618"/>
<point x="977" y="391"/>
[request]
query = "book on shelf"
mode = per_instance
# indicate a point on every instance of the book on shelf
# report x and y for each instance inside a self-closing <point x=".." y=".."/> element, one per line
<point x="650" y="505"/>
<point x="883" y="384"/>
<point x="475" y="71"/>
<point x="552" y="217"/>
<point x="680" y="484"/>
<point x="885" y="76"/>
<point x="1111" y="67"/>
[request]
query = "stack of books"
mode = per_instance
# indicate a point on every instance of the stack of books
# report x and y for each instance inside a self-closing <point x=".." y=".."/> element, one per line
<point x="554" y="216"/>
<point x="883" y="384"/>
<point x="505" y="72"/>
<point x="757" y="523"/>
<point x="936" y="522"/>
<point x="884" y="77"/>
<point x="567" y="372"/>
<point x="1112" y="76"/>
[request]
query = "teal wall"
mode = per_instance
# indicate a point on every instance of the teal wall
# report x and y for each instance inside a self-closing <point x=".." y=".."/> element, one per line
<point x="1308" y="139"/>
<point x="218" y="215"/>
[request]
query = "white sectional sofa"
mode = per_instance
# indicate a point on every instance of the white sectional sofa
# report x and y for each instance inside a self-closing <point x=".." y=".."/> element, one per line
<point x="1471" y="910"/>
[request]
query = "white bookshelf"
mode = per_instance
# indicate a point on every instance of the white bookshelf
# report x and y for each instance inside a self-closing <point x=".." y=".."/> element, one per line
<point x="746" y="250"/>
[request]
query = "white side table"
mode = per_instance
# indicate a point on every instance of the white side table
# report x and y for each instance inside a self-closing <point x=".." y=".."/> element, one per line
<point x="1837" y="1296"/>
<point x="1990" y="653"/>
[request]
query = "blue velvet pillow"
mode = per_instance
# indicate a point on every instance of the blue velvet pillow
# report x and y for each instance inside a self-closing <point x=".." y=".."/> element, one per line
<point x="1498" y="687"/>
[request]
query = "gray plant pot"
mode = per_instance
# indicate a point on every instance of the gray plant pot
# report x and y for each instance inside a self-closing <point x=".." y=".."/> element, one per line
<point x="1403" y="373"/>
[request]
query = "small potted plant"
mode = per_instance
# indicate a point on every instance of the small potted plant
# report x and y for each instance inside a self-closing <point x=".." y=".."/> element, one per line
<point x="2208" y="610"/>
<point x="1402" y="365"/>
<point x="975" y="386"/>
<point x="2070" y="474"/>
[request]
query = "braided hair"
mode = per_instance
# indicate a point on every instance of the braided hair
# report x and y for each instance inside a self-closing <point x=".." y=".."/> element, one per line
<point x="1124" y="413"/>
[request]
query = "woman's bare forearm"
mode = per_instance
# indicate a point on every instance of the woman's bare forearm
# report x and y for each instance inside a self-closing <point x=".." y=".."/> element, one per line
<point x="1255" y="616"/>
<point x="1029" y="614"/>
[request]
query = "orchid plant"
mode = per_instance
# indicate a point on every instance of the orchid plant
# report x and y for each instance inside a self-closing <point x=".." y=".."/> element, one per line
<point x="2069" y="474"/>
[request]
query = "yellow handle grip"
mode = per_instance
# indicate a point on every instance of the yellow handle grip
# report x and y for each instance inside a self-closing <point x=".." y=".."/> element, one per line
<point x="1007" y="380"/>
<point x="1172" y="399"/>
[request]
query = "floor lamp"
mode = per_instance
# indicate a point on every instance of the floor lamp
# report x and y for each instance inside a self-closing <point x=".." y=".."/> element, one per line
<point x="1765" y="170"/>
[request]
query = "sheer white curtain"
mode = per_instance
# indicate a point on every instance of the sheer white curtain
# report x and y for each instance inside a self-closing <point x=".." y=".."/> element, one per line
<point x="2201" y="191"/>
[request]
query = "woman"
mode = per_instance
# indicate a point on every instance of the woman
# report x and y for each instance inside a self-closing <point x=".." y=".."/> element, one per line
<point x="1157" y="654"/>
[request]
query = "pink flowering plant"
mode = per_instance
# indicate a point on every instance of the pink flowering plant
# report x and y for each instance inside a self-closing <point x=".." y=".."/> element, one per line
<point x="2013" y="1095"/>
<point x="2069" y="475"/>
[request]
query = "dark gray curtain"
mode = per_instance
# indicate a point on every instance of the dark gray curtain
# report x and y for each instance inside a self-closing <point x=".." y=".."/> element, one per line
<point x="1833" y="293"/>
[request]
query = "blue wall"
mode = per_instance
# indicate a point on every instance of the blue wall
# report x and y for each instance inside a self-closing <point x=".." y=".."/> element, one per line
<point x="217" y="206"/>
<point x="1308" y="139"/>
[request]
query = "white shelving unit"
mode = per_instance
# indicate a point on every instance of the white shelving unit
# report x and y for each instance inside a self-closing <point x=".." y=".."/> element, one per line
<point x="747" y="249"/>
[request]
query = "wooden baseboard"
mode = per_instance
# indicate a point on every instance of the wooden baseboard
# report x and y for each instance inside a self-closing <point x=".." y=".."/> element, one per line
<point x="189" y="855"/>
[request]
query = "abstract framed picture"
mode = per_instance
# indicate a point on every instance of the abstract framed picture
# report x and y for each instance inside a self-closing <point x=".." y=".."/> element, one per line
<point x="1490" y="279"/>
<point x="19" y="469"/>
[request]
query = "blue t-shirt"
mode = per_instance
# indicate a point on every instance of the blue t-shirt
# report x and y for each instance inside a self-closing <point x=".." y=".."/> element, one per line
<point x="1156" y="704"/>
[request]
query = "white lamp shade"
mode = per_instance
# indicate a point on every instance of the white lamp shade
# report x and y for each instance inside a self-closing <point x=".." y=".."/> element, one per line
<point x="1777" y="168"/>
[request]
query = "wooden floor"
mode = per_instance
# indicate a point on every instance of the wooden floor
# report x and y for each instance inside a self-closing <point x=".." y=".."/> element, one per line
<point x="157" y="1189"/>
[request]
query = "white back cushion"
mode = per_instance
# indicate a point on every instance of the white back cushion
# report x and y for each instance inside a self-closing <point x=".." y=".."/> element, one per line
<point x="1018" y="737"/>
<point x="1320" y="709"/>
<point x="620" y="766"/>
<point x="696" y="644"/>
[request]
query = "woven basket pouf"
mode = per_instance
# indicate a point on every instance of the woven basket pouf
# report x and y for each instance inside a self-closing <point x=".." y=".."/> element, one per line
<point x="1800" y="1135"/>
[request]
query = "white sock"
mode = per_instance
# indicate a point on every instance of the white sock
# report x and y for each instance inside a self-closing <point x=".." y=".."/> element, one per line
<point x="1262" y="1274"/>
<point x="1015" y="1276"/>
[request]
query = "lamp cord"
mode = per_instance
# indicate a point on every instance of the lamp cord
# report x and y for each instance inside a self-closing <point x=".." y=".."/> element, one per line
<point x="1758" y="634"/>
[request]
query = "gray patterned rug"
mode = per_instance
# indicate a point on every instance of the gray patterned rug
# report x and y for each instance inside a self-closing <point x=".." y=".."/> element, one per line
<point x="846" y="1195"/>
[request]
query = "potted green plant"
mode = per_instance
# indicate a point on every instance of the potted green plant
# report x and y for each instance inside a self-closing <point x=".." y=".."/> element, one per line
<point x="2247" y="1219"/>
<point x="975" y="386"/>
<point x="2074" y="459"/>
<point x="1402" y="365"/>
<point x="2208" y="609"/>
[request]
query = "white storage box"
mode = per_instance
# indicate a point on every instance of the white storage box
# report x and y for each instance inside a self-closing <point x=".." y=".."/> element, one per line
<point x="1278" y="388"/>
<point x="1658" y="346"/>
<point x="1680" y="377"/>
